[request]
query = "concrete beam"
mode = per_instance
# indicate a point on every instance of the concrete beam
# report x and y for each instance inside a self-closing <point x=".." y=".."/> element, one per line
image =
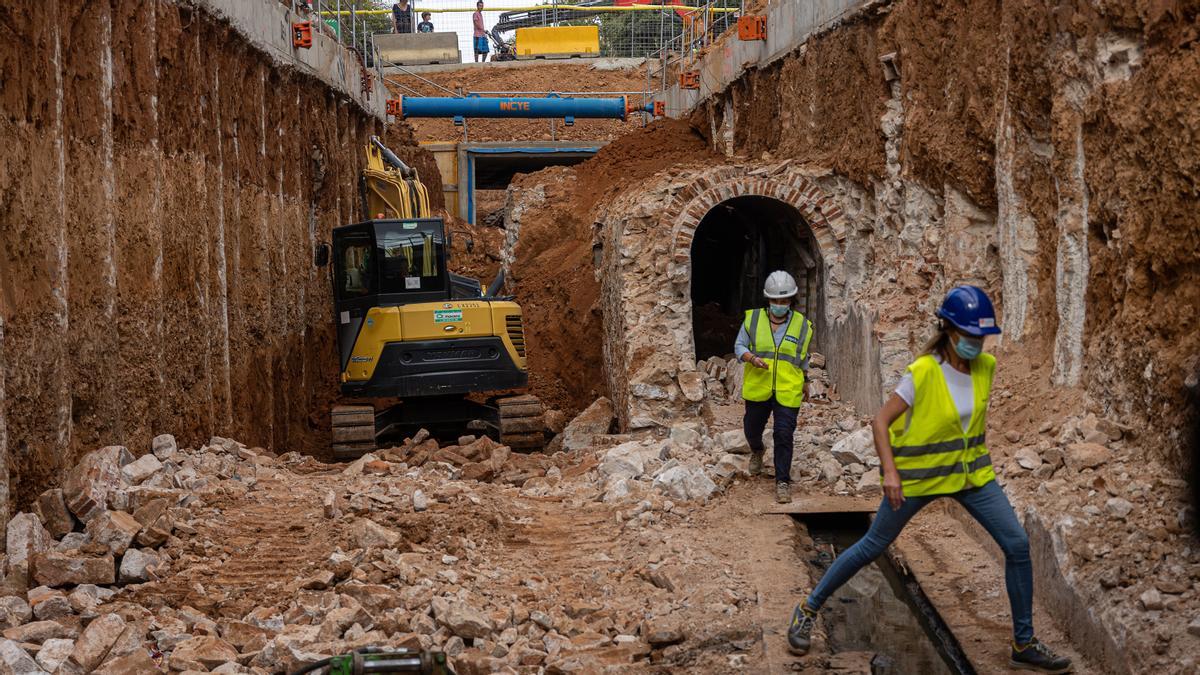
<point x="267" y="24"/>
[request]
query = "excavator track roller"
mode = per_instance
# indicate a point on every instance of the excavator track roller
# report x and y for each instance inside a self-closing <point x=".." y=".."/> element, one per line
<point x="353" y="430"/>
<point x="521" y="422"/>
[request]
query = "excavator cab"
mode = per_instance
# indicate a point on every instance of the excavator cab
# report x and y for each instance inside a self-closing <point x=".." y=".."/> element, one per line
<point x="410" y="329"/>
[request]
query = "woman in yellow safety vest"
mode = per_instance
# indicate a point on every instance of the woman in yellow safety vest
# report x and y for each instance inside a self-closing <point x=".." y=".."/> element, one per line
<point x="930" y="440"/>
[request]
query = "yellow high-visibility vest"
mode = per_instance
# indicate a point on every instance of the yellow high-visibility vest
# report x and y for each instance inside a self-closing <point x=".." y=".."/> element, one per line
<point x="784" y="375"/>
<point x="933" y="454"/>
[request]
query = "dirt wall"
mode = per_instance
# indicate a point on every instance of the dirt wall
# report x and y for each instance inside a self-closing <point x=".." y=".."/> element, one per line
<point x="161" y="191"/>
<point x="1075" y="125"/>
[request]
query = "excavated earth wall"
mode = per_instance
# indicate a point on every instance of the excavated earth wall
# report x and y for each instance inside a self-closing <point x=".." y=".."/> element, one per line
<point x="1049" y="152"/>
<point x="162" y="188"/>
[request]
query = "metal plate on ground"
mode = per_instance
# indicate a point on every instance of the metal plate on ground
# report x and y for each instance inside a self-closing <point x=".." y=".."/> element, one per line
<point x="826" y="504"/>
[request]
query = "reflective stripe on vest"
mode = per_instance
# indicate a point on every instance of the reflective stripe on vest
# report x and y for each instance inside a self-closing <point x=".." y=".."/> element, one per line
<point x="784" y="375"/>
<point x="933" y="455"/>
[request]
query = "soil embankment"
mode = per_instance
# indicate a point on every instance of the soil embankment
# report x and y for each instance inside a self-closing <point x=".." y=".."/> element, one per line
<point x="554" y="276"/>
<point x="163" y="186"/>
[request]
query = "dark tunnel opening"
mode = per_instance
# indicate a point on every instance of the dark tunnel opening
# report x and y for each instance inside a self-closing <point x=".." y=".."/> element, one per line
<point x="737" y="244"/>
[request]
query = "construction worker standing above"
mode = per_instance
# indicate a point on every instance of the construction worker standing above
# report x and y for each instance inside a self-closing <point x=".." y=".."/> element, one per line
<point x="773" y="346"/>
<point x="930" y="439"/>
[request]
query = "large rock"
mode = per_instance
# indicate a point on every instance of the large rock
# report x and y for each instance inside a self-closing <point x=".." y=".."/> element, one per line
<point x="54" y="652"/>
<point x="16" y="660"/>
<point x="733" y="441"/>
<point x="139" y="470"/>
<point x="366" y="533"/>
<point x="164" y="447"/>
<point x="14" y="611"/>
<point x="691" y="383"/>
<point x="857" y="448"/>
<point x="52" y="509"/>
<point x="684" y="482"/>
<point x="461" y="619"/>
<point x="629" y="460"/>
<point x="134" y="663"/>
<point x="114" y="529"/>
<point x="39" y="631"/>
<point x="596" y="420"/>
<point x="96" y="640"/>
<point x="25" y="538"/>
<point x="137" y="566"/>
<point x="1081" y="456"/>
<point x="730" y="465"/>
<point x="202" y="653"/>
<point x="48" y="603"/>
<point x="88" y="485"/>
<point x="62" y="568"/>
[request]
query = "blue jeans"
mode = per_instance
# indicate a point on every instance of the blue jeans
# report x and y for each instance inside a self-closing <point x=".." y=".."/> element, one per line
<point x="755" y="420"/>
<point x="986" y="504"/>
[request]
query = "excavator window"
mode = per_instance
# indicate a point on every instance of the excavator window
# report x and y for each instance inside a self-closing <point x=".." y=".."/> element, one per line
<point x="354" y="265"/>
<point x="411" y="255"/>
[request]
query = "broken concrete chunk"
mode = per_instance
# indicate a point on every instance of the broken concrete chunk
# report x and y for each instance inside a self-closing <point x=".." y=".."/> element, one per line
<point x="691" y="383"/>
<point x="628" y="460"/>
<point x="142" y="468"/>
<point x="113" y="529"/>
<point x="52" y="509"/>
<point x="87" y="486"/>
<point x="60" y="568"/>
<point x="733" y="442"/>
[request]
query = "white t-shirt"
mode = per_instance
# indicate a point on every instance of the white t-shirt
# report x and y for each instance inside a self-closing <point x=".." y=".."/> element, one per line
<point x="959" y="384"/>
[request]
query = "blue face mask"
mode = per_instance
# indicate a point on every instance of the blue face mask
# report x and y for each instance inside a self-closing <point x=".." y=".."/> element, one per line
<point x="968" y="348"/>
<point x="780" y="310"/>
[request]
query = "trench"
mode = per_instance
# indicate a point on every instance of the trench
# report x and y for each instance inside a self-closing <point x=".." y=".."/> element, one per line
<point x="737" y="244"/>
<point x="882" y="609"/>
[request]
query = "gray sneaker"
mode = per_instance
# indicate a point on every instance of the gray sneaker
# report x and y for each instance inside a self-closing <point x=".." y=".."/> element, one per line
<point x="800" y="631"/>
<point x="783" y="492"/>
<point x="756" y="467"/>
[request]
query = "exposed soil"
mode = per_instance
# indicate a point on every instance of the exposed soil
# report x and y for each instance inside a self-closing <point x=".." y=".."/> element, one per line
<point x="554" y="274"/>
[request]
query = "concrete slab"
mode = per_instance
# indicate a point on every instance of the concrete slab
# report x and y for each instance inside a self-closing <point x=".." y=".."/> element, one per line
<point x="824" y="504"/>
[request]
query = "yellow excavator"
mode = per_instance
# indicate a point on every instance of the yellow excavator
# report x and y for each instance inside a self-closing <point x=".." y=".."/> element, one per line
<point x="410" y="329"/>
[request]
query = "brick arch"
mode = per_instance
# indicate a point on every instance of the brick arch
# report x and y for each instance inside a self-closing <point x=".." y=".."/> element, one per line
<point x="822" y="216"/>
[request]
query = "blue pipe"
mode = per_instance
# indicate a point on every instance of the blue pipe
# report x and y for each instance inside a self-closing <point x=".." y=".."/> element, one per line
<point x="551" y="106"/>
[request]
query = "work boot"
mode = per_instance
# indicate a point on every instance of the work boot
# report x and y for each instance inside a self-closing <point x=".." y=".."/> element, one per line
<point x="800" y="630"/>
<point x="1037" y="656"/>
<point x="783" y="492"/>
<point x="755" y="463"/>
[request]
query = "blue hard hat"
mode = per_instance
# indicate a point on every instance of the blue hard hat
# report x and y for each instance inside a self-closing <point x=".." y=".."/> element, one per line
<point x="970" y="310"/>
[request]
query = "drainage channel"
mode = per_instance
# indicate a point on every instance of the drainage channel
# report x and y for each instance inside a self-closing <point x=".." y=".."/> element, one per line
<point x="882" y="609"/>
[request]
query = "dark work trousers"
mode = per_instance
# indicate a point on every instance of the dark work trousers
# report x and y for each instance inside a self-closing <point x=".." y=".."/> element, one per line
<point x="755" y="421"/>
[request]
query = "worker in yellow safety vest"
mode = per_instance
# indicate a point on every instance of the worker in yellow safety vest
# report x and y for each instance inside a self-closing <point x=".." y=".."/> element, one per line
<point x="930" y="436"/>
<point x="773" y="348"/>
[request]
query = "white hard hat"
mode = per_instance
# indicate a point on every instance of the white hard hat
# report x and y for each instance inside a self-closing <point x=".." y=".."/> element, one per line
<point x="780" y="284"/>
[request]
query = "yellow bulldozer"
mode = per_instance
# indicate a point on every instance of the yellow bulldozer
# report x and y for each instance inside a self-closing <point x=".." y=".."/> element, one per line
<point x="408" y="329"/>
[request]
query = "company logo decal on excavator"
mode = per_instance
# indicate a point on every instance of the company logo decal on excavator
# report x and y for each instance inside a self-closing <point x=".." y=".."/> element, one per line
<point x="447" y="315"/>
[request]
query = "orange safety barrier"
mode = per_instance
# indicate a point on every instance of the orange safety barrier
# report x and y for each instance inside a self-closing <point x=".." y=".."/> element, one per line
<point x="395" y="107"/>
<point x="689" y="79"/>
<point x="752" y="28"/>
<point x="302" y="35"/>
<point x="660" y="108"/>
